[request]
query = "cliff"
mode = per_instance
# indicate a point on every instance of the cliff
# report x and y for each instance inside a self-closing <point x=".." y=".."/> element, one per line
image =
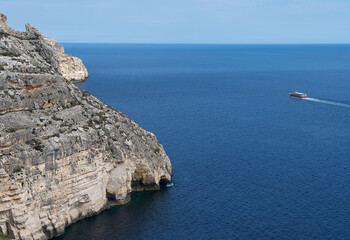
<point x="72" y="68"/>
<point x="64" y="155"/>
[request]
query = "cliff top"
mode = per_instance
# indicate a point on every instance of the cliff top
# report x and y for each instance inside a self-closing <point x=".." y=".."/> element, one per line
<point x="30" y="33"/>
<point x="50" y="52"/>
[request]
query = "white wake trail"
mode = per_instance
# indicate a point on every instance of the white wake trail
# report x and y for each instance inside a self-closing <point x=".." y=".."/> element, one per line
<point x="328" y="102"/>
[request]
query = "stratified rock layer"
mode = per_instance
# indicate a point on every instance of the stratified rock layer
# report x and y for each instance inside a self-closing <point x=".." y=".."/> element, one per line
<point x="72" y="68"/>
<point x="64" y="155"/>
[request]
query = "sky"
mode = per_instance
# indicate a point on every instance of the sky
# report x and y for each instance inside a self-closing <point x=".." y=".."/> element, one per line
<point x="184" y="21"/>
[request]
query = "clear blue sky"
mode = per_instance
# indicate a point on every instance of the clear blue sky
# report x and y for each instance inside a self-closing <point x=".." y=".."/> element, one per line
<point x="185" y="21"/>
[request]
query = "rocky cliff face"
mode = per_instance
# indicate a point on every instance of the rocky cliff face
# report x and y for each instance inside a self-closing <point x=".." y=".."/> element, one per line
<point x="64" y="155"/>
<point x="72" y="68"/>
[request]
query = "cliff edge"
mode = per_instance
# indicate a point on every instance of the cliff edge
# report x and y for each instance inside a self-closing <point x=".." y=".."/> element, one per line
<point x="64" y="155"/>
<point x="72" y="68"/>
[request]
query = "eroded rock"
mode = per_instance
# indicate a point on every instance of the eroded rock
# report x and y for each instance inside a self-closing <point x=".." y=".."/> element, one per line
<point x="64" y="155"/>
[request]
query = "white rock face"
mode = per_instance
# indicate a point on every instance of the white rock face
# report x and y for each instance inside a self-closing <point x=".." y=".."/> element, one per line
<point x="64" y="155"/>
<point x="72" y="68"/>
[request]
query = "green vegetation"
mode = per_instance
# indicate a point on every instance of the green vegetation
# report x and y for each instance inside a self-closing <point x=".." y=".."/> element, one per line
<point x="36" y="144"/>
<point x="9" y="54"/>
<point x="157" y="150"/>
<point x="17" y="169"/>
<point x="12" y="130"/>
<point x="2" y="66"/>
<point x="85" y="93"/>
<point x="4" y="236"/>
<point x="51" y="136"/>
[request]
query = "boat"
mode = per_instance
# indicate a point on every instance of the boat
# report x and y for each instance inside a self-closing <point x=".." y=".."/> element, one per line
<point x="298" y="95"/>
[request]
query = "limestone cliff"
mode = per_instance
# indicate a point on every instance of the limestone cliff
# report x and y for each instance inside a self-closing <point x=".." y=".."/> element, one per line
<point x="64" y="154"/>
<point x="72" y="68"/>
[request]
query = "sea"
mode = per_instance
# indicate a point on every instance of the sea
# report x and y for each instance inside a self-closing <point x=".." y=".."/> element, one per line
<point x="249" y="162"/>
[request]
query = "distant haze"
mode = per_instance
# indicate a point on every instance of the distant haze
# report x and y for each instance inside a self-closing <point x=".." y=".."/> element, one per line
<point x="184" y="21"/>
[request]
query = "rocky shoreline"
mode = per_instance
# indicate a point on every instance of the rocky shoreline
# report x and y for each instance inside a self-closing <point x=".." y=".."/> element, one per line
<point x="64" y="155"/>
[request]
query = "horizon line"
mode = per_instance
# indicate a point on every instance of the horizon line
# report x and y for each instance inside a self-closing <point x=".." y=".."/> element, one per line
<point x="207" y="43"/>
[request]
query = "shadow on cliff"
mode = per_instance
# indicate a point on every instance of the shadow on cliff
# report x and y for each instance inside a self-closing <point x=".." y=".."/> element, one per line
<point x="121" y="221"/>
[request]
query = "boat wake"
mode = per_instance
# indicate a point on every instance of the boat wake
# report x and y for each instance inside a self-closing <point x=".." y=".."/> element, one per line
<point x="328" y="102"/>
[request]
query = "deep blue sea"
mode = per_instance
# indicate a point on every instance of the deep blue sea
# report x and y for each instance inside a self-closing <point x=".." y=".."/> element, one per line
<point x="249" y="162"/>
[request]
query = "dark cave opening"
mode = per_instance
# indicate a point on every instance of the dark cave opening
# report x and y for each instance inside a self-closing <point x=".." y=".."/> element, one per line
<point x="110" y="196"/>
<point x="164" y="182"/>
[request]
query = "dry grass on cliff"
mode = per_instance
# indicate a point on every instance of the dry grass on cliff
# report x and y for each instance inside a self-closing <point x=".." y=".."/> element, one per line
<point x="4" y="237"/>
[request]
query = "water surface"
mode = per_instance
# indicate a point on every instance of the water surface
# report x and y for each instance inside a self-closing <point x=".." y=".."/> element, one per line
<point x="248" y="161"/>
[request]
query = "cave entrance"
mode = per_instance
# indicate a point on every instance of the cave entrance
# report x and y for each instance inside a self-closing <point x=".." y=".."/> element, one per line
<point x="164" y="182"/>
<point x="110" y="197"/>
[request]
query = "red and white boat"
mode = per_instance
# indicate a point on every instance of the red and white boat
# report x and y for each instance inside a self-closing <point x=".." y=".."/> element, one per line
<point x="298" y="95"/>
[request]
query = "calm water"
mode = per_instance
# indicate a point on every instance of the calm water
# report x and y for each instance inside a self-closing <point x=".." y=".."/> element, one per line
<point x="249" y="162"/>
